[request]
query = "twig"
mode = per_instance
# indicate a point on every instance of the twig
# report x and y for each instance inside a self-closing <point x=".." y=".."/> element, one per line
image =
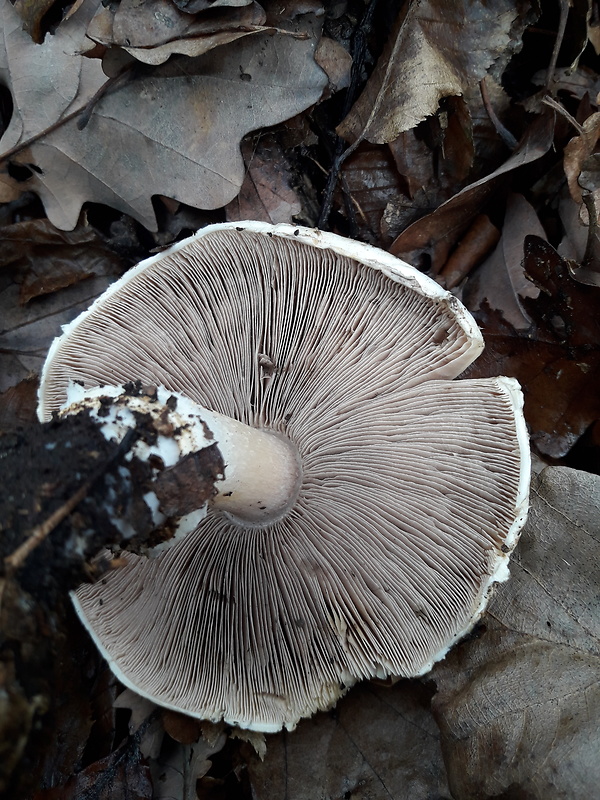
<point x="506" y="136"/>
<point x="340" y="155"/>
<point x="562" y="24"/>
<point x="550" y="101"/>
<point x="15" y="560"/>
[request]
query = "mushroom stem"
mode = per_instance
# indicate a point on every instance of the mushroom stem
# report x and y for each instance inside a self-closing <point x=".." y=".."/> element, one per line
<point x="262" y="469"/>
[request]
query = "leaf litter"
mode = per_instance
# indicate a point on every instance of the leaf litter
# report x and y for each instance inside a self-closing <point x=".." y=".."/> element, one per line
<point x="453" y="160"/>
<point x="175" y="130"/>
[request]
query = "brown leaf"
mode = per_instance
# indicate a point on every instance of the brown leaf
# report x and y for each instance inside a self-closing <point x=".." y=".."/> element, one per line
<point x="519" y="707"/>
<point x="576" y="152"/>
<point x="123" y="775"/>
<point x="501" y="281"/>
<point x="43" y="259"/>
<point x="437" y="49"/>
<point x="32" y="13"/>
<point x="435" y="234"/>
<point x="335" y="61"/>
<point x="558" y="362"/>
<point x="26" y="332"/>
<point x="185" y="730"/>
<point x="175" y="132"/>
<point x="481" y="237"/>
<point x="380" y="743"/>
<point x="18" y="404"/>
<point x="370" y="180"/>
<point x="267" y="192"/>
<point x="153" y="30"/>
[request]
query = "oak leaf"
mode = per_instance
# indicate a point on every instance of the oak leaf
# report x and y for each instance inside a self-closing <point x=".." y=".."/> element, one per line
<point x="174" y="130"/>
<point x="518" y="707"/>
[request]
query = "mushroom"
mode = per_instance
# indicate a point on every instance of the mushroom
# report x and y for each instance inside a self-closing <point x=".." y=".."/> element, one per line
<point x="404" y="490"/>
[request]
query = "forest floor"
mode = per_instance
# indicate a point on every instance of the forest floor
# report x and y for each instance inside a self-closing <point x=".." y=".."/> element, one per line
<point x="462" y="137"/>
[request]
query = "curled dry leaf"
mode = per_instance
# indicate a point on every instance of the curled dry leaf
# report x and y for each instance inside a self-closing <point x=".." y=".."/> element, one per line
<point x="153" y="30"/>
<point x="435" y="234"/>
<point x="194" y="6"/>
<point x="381" y="743"/>
<point x="43" y="259"/>
<point x="437" y="49"/>
<point x="175" y="132"/>
<point x="266" y="193"/>
<point x="558" y="361"/>
<point x="577" y="151"/>
<point x="519" y="707"/>
<point x="501" y="281"/>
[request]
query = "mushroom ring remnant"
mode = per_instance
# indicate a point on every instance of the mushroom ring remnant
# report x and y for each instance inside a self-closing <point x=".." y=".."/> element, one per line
<point x="406" y="489"/>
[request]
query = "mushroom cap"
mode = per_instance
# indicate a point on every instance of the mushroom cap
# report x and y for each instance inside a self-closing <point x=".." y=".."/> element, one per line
<point x="414" y="485"/>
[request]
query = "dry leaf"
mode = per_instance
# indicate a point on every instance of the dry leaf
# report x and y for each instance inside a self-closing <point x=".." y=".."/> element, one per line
<point x="380" y="743"/>
<point x="438" y="48"/>
<point x="501" y="280"/>
<point x="434" y="159"/>
<point x="480" y="238"/>
<point x="435" y="234"/>
<point x="175" y="132"/>
<point x="370" y="180"/>
<point x="32" y="13"/>
<point x="46" y="81"/>
<point x="267" y="192"/>
<point x="26" y="332"/>
<point x="194" y="6"/>
<point x="558" y="362"/>
<point x="123" y="774"/>
<point x="577" y="151"/>
<point x="153" y="30"/>
<point x="575" y="241"/>
<point x="43" y="259"/>
<point x="18" y="404"/>
<point x="176" y="772"/>
<point x="519" y="707"/>
<point x="336" y="61"/>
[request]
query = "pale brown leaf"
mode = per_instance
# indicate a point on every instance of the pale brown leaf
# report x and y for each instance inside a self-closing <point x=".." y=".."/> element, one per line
<point x="175" y="132"/>
<point x="175" y="773"/>
<point x="501" y="280"/>
<point x="437" y="49"/>
<point x="576" y="152"/>
<point x="436" y="234"/>
<point x="380" y="743"/>
<point x="267" y="193"/>
<point x="519" y="707"/>
<point x="153" y="30"/>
